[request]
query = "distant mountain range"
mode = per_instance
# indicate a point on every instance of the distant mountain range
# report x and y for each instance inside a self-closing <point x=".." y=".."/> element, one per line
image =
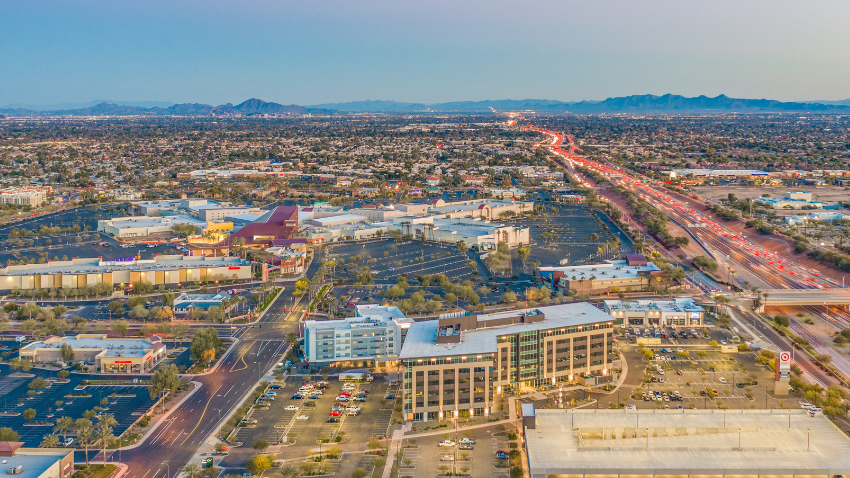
<point x="246" y="108"/>
<point x="627" y="104"/>
<point x="650" y="104"/>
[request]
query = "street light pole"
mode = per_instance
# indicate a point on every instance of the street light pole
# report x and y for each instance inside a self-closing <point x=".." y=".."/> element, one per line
<point x="169" y="468"/>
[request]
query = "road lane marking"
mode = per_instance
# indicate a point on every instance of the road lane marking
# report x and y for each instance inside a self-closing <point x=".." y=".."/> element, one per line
<point x="212" y="395"/>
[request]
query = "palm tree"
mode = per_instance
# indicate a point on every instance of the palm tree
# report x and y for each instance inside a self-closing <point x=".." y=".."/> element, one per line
<point x="49" y="441"/>
<point x="85" y="432"/>
<point x="191" y="470"/>
<point x="63" y="426"/>
<point x="103" y="433"/>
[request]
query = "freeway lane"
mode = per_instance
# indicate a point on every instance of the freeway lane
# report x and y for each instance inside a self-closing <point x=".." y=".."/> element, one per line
<point x="176" y="441"/>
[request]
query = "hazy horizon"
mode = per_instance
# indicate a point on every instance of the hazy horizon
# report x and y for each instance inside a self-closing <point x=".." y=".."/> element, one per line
<point x="333" y="51"/>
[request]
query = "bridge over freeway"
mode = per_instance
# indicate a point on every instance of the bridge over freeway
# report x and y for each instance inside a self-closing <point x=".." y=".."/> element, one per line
<point x="787" y="297"/>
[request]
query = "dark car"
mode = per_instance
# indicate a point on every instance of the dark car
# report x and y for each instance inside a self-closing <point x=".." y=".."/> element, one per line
<point x="297" y="396"/>
<point x="389" y="396"/>
<point x="740" y="385"/>
<point x="275" y="387"/>
<point x="464" y="447"/>
<point x="333" y="420"/>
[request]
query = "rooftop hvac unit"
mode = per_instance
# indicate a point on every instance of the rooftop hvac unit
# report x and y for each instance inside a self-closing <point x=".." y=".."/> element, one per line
<point x="16" y="470"/>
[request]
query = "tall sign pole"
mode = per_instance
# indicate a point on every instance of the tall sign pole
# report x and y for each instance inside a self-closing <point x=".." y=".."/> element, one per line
<point x="783" y="373"/>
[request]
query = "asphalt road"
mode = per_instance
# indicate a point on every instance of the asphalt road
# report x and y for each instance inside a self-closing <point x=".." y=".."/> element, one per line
<point x="176" y="441"/>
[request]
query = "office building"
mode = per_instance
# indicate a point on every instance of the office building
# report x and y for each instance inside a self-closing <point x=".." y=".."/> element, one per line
<point x="458" y="364"/>
<point x="25" y="196"/>
<point x="683" y="444"/>
<point x="657" y="313"/>
<point x="363" y="340"/>
<point x="107" y="354"/>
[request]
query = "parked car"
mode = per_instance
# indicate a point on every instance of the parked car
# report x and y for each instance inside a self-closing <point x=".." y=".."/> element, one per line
<point x="333" y="420"/>
<point x="446" y="443"/>
<point x="501" y="455"/>
<point x="302" y="417"/>
<point x="291" y="408"/>
<point x="466" y="441"/>
<point x="465" y="447"/>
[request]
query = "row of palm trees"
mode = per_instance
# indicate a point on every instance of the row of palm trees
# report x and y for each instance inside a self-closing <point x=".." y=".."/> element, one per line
<point x="88" y="433"/>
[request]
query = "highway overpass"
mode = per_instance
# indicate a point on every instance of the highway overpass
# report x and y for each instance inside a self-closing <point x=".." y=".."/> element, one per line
<point x="788" y="297"/>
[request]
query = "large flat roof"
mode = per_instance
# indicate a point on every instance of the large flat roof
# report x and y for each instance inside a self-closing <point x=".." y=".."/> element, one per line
<point x="421" y="340"/>
<point x="113" y="347"/>
<point x="98" y="266"/>
<point x="34" y="464"/>
<point x="616" y="269"/>
<point x="701" y="442"/>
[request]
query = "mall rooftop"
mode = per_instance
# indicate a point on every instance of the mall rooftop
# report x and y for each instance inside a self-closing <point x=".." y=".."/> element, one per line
<point x="593" y="443"/>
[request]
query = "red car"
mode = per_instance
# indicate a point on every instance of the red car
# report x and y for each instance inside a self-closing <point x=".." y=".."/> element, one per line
<point x="336" y="413"/>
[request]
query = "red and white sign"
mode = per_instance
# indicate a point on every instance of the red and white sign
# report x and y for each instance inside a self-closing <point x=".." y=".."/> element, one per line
<point x="783" y="367"/>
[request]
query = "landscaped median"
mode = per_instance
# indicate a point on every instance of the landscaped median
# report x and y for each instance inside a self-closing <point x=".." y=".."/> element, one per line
<point x="324" y="290"/>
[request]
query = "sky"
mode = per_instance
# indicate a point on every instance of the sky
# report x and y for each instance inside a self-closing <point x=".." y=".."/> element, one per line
<point x="319" y="51"/>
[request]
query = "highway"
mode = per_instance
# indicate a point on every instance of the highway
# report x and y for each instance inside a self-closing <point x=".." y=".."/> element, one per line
<point x="177" y="439"/>
<point x="761" y="264"/>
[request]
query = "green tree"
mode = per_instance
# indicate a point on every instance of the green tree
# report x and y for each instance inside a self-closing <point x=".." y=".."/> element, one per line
<point x="29" y="414"/>
<point x="260" y="444"/>
<point x="66" y="352"/>
<point x="103" y="434"/>
<point x="164" y="378"/>
<point x="63" y="426"/>
<point x="215" y="314"/>
<point x="120" y="327"/>
<point x="258" y="464"/>
<point x="8" y="434"/>
<point x="462" y="247"/>
<point x="116" y="308"/>
<point x="49" y="441"/>
<point x="509" y="297"/>
<point x="359" y="473"/>
<point x="192" y="470"/>
<point x="204" y="344"/>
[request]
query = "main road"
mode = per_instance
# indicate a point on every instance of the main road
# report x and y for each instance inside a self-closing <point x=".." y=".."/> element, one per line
<point x="176" y="441"/>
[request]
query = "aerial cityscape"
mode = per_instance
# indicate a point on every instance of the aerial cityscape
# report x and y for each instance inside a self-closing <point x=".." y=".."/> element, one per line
<point x="276" y="276"/>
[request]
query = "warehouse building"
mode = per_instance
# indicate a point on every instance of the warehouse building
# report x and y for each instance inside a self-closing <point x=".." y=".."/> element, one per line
<point x="144" y="226"/>
<point x="476" y="233"/>
<point x="459" y="364"/>
<point x="683" y="444"/>
<point x="106" y="353"/>
<point x="656" y="313"/>
<point x="163" y="270"/>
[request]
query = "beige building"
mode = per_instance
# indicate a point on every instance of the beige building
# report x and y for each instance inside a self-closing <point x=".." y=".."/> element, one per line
<point x="36" y="462"/>
<point x="475" y="232"/>
<point x="490" y="209"/>
<point x="26" y="196"/>
<point x="163" y="270"/>
<point x="459" y="364"/>
<point x="125" y="355"/>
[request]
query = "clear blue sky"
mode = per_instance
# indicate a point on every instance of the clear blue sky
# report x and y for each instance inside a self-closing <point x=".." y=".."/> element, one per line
<point x="315" y="51"/>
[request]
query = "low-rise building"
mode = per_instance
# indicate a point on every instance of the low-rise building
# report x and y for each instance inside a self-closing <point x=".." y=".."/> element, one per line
<point x="184" y="303"/>
<point x="374" y="337"/>
<point x="162" y="270"/>
<point x="36" y="462"/>
<point x="489" y="209"/>
<point x="144" y="226"/>
<point x="476" y="233"/>
<point x="107" y="354"/>
<point x="816" y="217"/>
<point x="792" y="200"/>
<point x="214" y="212"/>
<point x="634" y="274"/>
<point x="657" y="313"/>
<point x="458" y="364"/>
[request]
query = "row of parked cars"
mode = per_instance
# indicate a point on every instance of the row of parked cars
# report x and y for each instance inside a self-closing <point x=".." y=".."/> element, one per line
<point x="651" y="395"/>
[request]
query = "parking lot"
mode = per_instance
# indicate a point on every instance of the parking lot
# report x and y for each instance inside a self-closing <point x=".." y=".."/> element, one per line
<point x="424" y="457"/>
<point x="387" y="259"/>
<point x="571" y="228"/>
<point x="125" y="402"/>
<point x="281" y="416"/>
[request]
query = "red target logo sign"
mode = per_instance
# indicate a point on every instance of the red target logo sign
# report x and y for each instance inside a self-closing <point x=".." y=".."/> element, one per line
<point x="785" y="357"/>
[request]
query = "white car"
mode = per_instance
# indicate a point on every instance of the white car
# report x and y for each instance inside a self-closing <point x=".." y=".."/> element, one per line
<point x="291" y="408"/>
<point x="353" y="409"/>
<point x="446" y="443"/>
<point x="302" y="417"/>
<point x="723" y="342"/>
<point x="679" y="349"/>
<point x="722" y="380"/>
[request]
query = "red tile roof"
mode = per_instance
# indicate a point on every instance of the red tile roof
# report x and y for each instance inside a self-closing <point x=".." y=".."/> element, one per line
<point x="281" y="223"/>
